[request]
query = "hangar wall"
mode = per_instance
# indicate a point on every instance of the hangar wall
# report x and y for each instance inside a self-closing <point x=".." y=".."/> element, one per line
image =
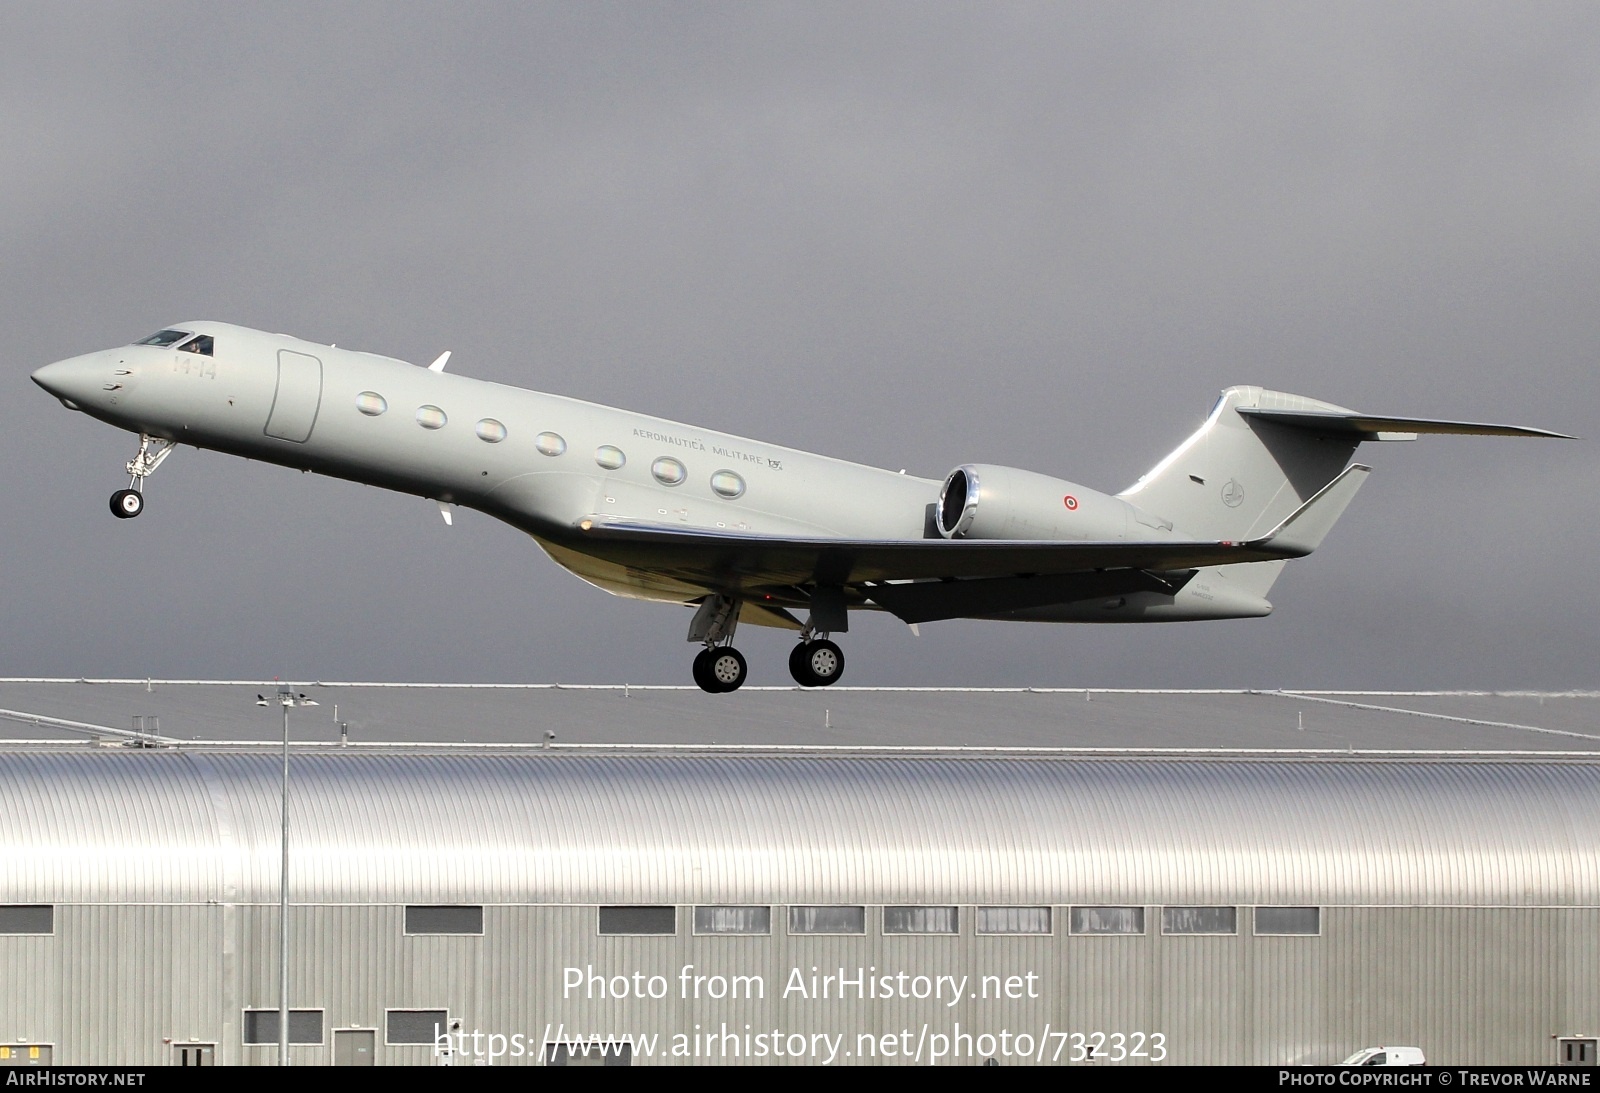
<point x="1450" y="904"/>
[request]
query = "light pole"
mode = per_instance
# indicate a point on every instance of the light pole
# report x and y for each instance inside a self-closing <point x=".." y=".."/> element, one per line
<point x="285" y="698"/>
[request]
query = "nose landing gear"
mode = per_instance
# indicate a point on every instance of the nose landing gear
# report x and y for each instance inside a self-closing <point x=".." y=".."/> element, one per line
<point x="128" y="503"/>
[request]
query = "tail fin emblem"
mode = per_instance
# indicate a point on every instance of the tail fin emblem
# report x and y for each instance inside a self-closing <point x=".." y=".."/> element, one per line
<point x="1232" y="494"/>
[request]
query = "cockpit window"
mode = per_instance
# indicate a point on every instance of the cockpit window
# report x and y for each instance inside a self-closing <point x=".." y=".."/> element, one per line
<point x="165" y="338"/>
<point x="201" y="345"/>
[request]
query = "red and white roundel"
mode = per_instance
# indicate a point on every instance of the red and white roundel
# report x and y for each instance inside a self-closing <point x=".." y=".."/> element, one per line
<point x="1071" y="502"/>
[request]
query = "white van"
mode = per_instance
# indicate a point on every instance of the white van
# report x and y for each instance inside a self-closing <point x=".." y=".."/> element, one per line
<point x="1387" y="1056"/>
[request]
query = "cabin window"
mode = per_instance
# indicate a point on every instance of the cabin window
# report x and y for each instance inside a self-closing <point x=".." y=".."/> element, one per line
<point x="371" y="403"/>
<point x="431" y="417"/>
<point x="733" y="920"/>
<point x="164" y="338"/>
<point x="609" y="457"/>
<point x="827" y="920"/>
<point x="491" y="430"/>
<point x="668" y="471"/>
<point x="921" y="920"/>
<point x="727" y="484"/>
<point x="1014" y="920"/>
<point x="1199" y="920"/>
<point x="1107" y="920"/>
<point x="550" y="443"/>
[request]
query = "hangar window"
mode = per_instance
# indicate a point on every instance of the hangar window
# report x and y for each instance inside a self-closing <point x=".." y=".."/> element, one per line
<point x="371" y="403"/>
<point x="594" y="1053"/>
<point x="1107" y="920"/>
<point x="28" y="919"/>
<point x="431" y="417"/>
<point x="733" y="920"/>
<point x="638" y="920"/>
<point x="1199" y="920"/>
<point x="668" y="471"/>
<point x="261" y="1026"/>
<point x="827" y="920"/>
<point x="921" y="920"/>
<point x="1014" y="920"/>
<point x="415" y="1026"/>
<point x="491" y="430"/>
<point x="163" y="338"/>
<point x="444" y="920"/>
<point x="1299" y="921"/>
<point x="550" y="443"/>
<point x="610" y="457"/>
<point x="727" y="484"/>
<point x="201" y="345"/>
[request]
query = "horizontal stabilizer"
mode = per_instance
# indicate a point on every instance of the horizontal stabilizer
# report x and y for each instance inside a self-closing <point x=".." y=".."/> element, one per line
<point x="1309" y="524"/>
<point x="1368" y="427"/>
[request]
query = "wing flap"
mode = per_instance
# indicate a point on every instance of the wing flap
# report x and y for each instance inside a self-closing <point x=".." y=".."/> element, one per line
<point x="931" y="601"/>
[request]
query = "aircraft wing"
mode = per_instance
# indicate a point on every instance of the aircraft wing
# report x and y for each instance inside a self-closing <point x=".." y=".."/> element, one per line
<point x="920" y="580"/>
<point x="747" y="561"/>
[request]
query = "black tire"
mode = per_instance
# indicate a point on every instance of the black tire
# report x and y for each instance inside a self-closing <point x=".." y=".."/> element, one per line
<point x="702" y="672"/>
<point x="797" y="665"/>
<point x="824" y="662"/>
<point x="126" y="504"/>
<point x="728" y="669"/>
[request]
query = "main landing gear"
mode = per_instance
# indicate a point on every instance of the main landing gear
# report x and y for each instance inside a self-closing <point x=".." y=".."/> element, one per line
<point x="128" y="503"/>
<point x="817" y="662"/>
<point x="720" y="668"/>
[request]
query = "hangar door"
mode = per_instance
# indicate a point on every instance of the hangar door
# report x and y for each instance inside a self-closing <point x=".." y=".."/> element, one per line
<point x="299" y="393"/>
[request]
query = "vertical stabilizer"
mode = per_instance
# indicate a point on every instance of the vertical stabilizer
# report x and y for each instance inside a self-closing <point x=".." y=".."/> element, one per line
<point x="1239" y="477"/>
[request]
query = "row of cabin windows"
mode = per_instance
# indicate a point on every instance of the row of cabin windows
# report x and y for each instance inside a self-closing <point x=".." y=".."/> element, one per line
<point x="424" y="919"/>
<point x="665" y="469"/>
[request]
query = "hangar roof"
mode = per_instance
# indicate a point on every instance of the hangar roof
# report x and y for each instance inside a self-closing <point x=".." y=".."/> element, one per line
<point x="435" y="826"/>
<point x="1320" y="721"/>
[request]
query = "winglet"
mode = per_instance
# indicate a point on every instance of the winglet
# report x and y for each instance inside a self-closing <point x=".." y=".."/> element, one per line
<point x="438" y="365"/>
<point x="1307" y="525"/>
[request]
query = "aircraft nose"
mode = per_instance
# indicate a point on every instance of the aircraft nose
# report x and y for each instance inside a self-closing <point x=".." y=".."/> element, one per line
<point x="71" y="380"/>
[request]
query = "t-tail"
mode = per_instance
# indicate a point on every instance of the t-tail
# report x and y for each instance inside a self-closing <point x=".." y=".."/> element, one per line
<point x="1270" y="467"/>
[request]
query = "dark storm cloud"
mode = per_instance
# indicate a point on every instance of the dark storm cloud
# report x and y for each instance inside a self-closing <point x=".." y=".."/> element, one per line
<point x="912" y="235"/>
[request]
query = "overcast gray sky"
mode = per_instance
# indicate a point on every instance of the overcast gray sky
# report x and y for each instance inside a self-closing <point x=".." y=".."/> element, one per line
<point x="914" y="235"/>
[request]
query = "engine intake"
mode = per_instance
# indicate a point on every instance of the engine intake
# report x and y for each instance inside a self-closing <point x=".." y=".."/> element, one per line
<point x="983" y="501"/>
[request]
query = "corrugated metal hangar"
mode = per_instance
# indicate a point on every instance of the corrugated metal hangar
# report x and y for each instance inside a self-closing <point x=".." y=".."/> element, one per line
<point x="648" y="876"/>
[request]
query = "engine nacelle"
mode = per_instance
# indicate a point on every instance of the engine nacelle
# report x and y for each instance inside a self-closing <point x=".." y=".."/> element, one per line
<point x="982" y="501"/>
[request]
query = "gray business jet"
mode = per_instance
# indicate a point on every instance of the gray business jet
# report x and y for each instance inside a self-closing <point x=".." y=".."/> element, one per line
<point x="746" y="531"/>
